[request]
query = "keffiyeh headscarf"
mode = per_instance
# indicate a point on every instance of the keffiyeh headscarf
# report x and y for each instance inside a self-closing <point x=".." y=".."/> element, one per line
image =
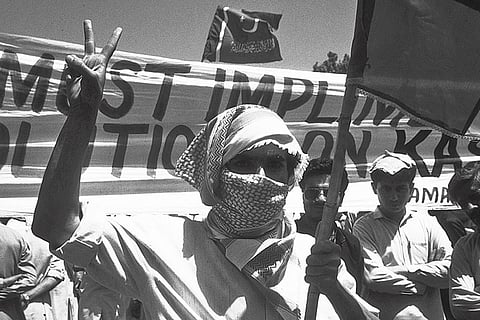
<point x="235" y="130"/>
<point x="247" y="214"/>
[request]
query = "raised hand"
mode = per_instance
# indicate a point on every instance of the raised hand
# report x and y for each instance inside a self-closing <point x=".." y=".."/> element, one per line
<point x="86" y="76"/>
<point x="57" y="213"/>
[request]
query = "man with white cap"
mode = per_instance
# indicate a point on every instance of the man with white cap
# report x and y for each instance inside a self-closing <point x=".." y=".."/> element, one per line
<point x="407" y="253"/>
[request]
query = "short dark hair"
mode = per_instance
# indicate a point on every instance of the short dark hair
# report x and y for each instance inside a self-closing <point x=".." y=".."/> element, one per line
<point x="318" y="166"/>
<point x="467" y="176"/>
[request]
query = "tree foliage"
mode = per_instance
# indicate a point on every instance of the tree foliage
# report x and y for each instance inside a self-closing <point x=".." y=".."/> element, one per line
<point x="332" y="65"/>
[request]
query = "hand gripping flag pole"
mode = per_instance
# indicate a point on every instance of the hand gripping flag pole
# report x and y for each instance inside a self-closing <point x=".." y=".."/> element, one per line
<point x="324" y="228"/>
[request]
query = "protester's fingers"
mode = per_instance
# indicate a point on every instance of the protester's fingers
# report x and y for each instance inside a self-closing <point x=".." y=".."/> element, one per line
<point x="314" y="272"/>
<point x="325" y="260"/>
<point x="15" y="278"/>
<point x="70" y="74"/>
<point x="77" y="66"/>
<point x="324" y="254"/>
<point x="325" y="247"/>
<point x="111" y="45"/>
<point x="89" y="37"/>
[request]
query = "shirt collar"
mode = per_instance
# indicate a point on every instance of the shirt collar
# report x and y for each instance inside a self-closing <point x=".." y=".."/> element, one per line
<point x="377" y="214"/>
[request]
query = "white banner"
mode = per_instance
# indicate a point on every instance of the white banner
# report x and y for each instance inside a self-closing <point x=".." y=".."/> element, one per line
<point x="154" y="106"/>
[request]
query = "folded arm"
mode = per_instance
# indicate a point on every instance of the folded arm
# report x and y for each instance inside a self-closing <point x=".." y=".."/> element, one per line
<point x="55" y="275"/>
<point x="388" y="279"/>
<point x="464" y="292"/>
<point x="434" y="273"/>
<point x="25" y="278"/>
<point x="381" y="278"/>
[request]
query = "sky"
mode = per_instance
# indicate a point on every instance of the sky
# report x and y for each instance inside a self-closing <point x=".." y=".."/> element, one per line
<point x="178" y="28"/>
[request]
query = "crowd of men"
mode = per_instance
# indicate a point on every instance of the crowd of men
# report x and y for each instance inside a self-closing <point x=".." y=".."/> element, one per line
<point x="400" y="259"/>
<point x="407" y="268"/>
<point x="248" y="259"/>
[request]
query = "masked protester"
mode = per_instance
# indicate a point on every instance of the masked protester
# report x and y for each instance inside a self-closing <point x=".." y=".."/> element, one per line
<point x="244" y="261"/>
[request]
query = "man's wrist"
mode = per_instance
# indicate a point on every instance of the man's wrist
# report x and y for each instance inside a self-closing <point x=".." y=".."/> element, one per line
<point x="331" y="287"/>
<point x="411" y="268"/>
<point x="25" y="298"/>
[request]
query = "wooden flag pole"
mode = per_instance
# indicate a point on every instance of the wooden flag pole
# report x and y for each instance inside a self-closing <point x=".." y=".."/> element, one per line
<point x="325" y="227"/>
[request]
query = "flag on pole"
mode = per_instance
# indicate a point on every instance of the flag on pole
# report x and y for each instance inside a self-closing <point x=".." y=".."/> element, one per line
<point x="241" y="36"/>
<point x="422" y="56"/>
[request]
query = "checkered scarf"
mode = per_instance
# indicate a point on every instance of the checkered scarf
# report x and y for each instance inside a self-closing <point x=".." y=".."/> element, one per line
<point x="247" y="214"/>
<point x="233" y="131"/>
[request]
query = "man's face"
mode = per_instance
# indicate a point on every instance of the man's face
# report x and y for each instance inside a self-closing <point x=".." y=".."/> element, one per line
<point x="315" y="195"/>
<point x="393" y="196"/>
<point x="268" y="160"/>
<point x="470" y="203"/>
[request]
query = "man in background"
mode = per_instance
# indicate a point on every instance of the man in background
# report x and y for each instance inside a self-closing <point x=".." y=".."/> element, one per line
<point x="407" y="253"/>
<point x="464" y="190"/>
<point x="315" y="185"/>
<point x="36" y="301"/>
<point x="17" y="272"/>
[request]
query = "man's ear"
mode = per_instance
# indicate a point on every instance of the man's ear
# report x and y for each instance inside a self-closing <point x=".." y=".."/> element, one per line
<point x="291" y="182"/>
<point x="374" y="187"/>
<point x="412" y="185"/>
<point x="341" y="195"/>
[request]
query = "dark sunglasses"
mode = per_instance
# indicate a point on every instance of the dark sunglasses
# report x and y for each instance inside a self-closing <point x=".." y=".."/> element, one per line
<point x="313" y="193"/>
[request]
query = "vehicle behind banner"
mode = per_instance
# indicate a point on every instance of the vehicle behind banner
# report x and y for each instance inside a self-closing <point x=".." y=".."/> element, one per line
<point x="154" y="106"/>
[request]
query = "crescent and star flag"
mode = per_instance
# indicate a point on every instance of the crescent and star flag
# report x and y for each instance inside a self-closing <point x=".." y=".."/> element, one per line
<point x="422" y="56"/>
<point x="241" y="36"/>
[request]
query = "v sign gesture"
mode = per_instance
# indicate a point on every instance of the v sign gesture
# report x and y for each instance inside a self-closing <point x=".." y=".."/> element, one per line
<point x="57" y="213"/>
<point x="86" y="77"/>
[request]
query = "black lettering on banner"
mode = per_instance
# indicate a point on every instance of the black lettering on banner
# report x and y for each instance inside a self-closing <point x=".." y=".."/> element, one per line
<point x="382" y="113"/>
<point x="414" y="123"/>
<point x="415" y="197"/>
<point x="359" y="158"/>
<point x="286" y="104"/>
<point x="264" y="90"/>
<point x="154" y="150"/>
<point x="444" y="197"/>
<point x="313" y="117"/>
<point x="473" y="147"/>
<point x="410" y="148"/>
<point x="89" y="152"/>
<point x="123" y="130"/>
<point x="217" y="94"/>
<point x="20" y="150"/>
<point x="124" y="86"/>
<point x="180" y="130"/>
<point x="169" y="70"/>
<point x="430" y="196"/>
<point x="396" y="119"/>
<point x="4" y="144"/>
<point x="367" y="107"/>
<point x="327" y="138"/>
<point x="441" y="159"/>
<point x="41" y="70"/>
